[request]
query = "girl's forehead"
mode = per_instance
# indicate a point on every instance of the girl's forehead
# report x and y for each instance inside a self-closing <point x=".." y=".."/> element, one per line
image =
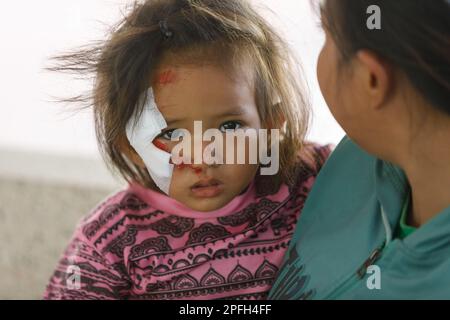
<point x="172" y="69"/>
<point x="201" y="91"/>
<point x="205" y="81"/>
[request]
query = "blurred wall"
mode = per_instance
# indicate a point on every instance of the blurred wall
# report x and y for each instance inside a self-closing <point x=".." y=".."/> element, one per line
<point x="42" y="197"/>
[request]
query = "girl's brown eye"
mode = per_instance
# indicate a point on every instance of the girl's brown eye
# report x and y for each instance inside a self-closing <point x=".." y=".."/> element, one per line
<point x="230" y="126"/>
<point x="173" y="134"/>
<point x="166" y="134"/>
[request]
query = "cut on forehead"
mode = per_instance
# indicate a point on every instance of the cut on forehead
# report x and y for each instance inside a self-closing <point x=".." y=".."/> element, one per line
<point x="235" y="63"/>
<point x="170" y="74"/>
<point x="166" y="77"/>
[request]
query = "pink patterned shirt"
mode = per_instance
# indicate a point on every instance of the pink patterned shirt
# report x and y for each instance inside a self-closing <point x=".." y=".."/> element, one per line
<point x="140" y="244"/>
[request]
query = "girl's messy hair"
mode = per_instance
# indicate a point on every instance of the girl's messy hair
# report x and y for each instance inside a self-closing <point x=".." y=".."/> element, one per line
<point x="226" y="32"/>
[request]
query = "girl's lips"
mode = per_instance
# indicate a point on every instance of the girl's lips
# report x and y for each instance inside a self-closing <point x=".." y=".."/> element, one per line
<point x="207" y="189"/>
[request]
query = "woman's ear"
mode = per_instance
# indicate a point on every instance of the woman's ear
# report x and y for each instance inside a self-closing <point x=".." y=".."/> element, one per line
<point x="375" y="76"/>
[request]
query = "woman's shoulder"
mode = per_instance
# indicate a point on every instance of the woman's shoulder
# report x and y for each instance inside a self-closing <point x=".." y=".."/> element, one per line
<point x="311" y="158"/>
<point x="348" y="170"/>
<point x="348" y="161"/>
<point x="315" y="155"/>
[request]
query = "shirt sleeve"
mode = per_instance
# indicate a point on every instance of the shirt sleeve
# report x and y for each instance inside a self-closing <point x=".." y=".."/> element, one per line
<point x="83" y="273"/>
<point x="314" y="156"/>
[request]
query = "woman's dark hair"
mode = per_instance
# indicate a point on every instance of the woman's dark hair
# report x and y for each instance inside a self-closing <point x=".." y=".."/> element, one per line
<point x="414" y="37"/>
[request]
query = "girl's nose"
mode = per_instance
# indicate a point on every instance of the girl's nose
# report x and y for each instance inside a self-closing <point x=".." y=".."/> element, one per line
<point x="207" y="155"/>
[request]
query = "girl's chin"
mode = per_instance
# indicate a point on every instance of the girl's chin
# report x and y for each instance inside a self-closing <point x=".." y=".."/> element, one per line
<point x="206" y="204"/>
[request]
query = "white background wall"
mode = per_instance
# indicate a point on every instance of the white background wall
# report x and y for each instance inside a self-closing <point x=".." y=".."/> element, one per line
<point x="31" y="31"/>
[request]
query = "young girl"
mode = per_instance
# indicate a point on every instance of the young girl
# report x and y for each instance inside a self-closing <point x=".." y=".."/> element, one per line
<point x="189" y="231"/>
<point x="377" y="223"/>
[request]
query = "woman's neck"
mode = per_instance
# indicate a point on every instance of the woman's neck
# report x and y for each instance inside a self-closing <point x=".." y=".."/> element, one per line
<point x="427" y="166"/>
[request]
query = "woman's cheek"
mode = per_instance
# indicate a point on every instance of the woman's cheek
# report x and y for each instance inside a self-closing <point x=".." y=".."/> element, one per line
<point x="322" y="71"/>
<point x="328" y="79"/>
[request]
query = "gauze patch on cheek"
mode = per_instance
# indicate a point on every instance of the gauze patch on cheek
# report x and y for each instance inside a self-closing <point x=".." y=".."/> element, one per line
<point x="141" y="133"/>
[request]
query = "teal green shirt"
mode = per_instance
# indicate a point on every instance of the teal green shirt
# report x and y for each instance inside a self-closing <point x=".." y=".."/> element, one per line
<point x="345" y="238"/>
<point x="403" y="229"/>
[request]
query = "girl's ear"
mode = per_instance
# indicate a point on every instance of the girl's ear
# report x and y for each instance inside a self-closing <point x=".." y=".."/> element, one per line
<point x="375" y="76"/>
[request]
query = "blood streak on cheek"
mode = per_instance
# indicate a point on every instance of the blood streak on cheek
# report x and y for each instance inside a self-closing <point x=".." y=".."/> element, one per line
<point x="183" y="166"/>
<point x="167" y="77"/>
<point x="160" y="145"/>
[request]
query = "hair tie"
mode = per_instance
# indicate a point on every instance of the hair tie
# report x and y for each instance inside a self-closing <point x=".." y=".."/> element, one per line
<point x="166" y="32"/>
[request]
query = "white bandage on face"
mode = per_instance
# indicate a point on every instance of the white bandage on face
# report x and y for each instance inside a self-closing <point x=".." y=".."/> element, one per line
<point x="141" y="133"/>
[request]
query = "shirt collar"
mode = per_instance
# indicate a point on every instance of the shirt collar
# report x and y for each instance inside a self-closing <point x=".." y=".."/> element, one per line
<point x="392" y="188"/>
